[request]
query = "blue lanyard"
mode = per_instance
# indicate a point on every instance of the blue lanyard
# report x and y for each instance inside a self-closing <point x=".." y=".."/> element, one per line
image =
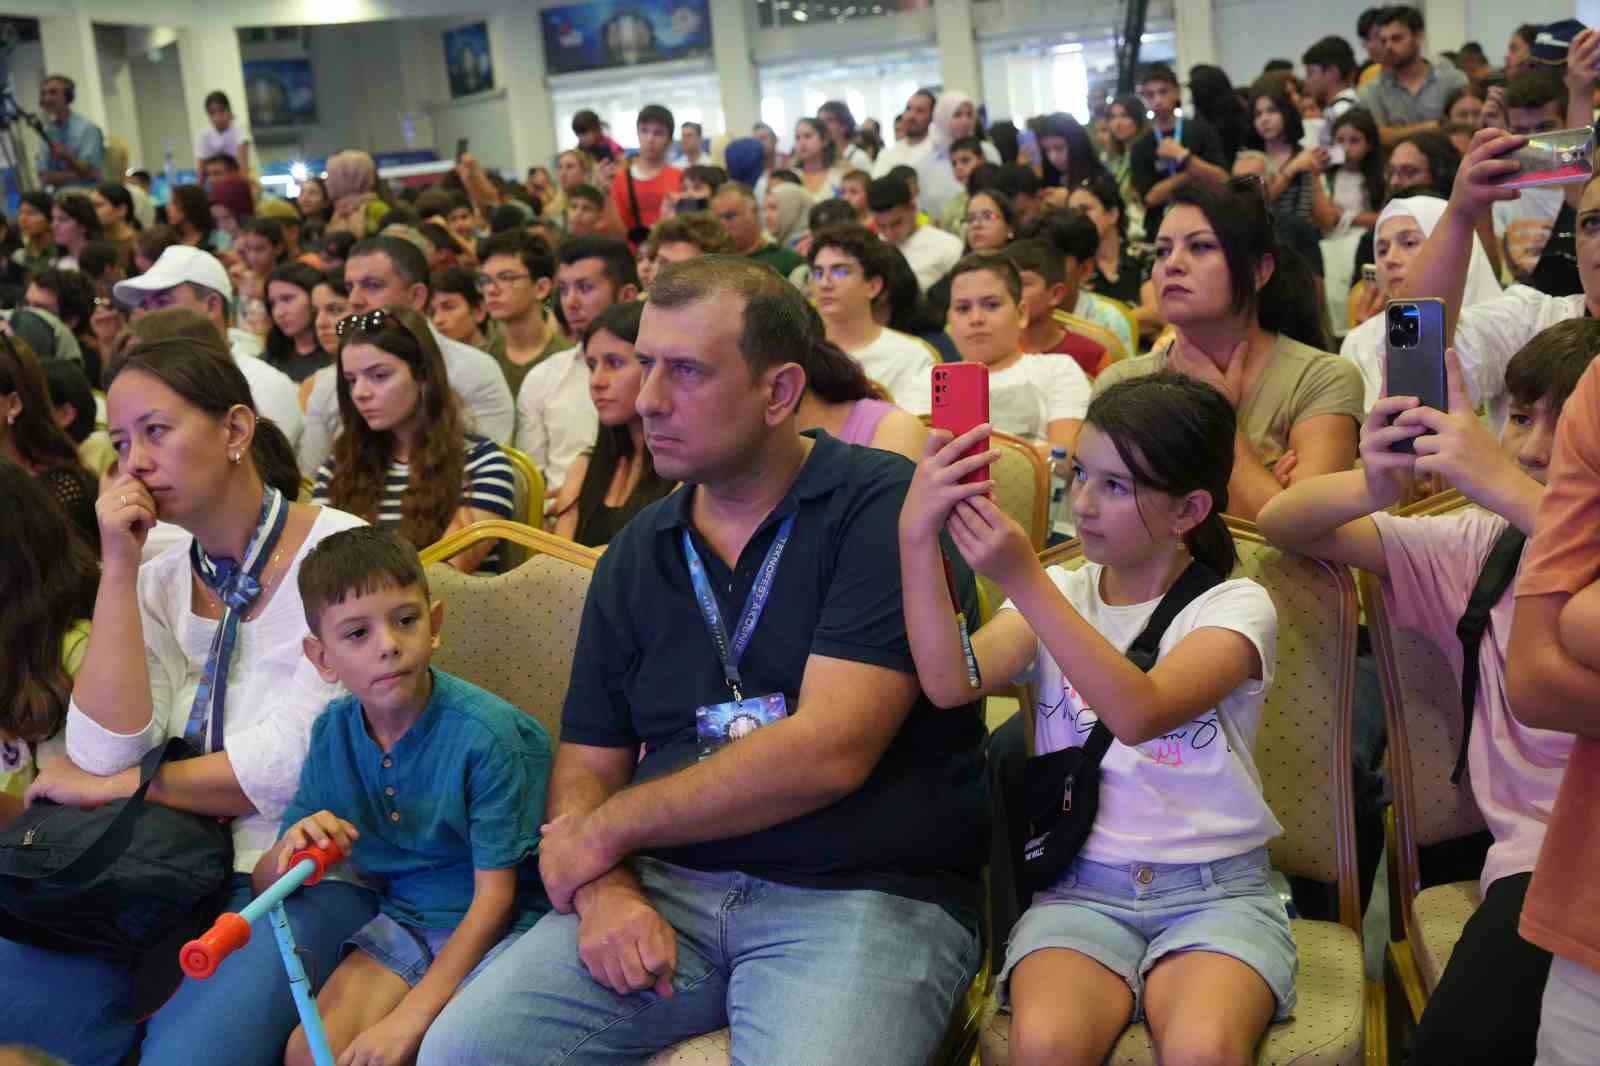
<point x="729" y="653"/>
<point x="1177" y="131"/>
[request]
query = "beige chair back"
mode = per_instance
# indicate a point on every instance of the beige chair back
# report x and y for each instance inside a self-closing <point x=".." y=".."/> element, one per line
<point x="1302" y="749"/>
<point x="513" y="633"/>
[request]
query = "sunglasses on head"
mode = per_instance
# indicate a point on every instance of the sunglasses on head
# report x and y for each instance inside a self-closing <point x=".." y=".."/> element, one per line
<point x="370" y="322"/>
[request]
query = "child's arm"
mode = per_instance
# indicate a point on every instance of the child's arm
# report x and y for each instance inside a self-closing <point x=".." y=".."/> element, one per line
<point x="1193" y="677"/>
<point x="1580" y="627"/>
<point x="1004" y="646"/>
<point x="397" y="1037"/>
<point x="318" y="829"/>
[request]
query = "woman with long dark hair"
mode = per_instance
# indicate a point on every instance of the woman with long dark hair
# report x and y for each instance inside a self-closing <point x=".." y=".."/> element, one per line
<point x="816" y="160"/>
<point x="840" y="126"/>
<point x="1118" y="273"/>
<point x="606" y="486"/>
<point x="404" y="460"/>
<point x="189" y="212"/>
<point x="1218" y="104"/>
<point x="47" y="582"/>
<point x="113" y="206"/>
<point x="222" y="604"/>
<point x="73" y="224"/>
<point x="31" y="437"/>
<point x="293" y="345"/>
<point x="1067" y="152"/>
<point x="1248" y="323"/>
<point x="1358" y="186"/>
<point x="1293" y="180"/>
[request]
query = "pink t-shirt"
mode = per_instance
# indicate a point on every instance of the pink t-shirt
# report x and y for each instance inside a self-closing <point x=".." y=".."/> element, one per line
<point x="1516" y="771"/>
<point x="861" y="425"/>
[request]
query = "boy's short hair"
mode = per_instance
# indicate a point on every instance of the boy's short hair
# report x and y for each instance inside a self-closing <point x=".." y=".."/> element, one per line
<point x="966" y="144"/>
<point x="997" y="264"/>
<point x="887" y="193"/>
<point x="615" y="257"/>
<point x="1015" y="179"/>
<point x="1405" y="14"/>
<point x="356" y="561"/>
<point x="1069" y="231"/>
<point x="1156" y="72"/>
<point x="588" y="194"/>
<point x="907" y="174"/>
<point x="831" y="212"/>
<point x="655" y="115"/>
<point x="1550" y="365"/>
<point x="534" y="252"/>
<point x="1034" y="255"/>
<point x="699" y="228"/>
<point x="458" y="281"/>
<point x="857" y="175"/>
<point x="856" y="241"/>
<point x="1335" y="52"/>
<point x="1536" y="88"/>
<point x="711" y="177"/>
<point x="585" y="121"/>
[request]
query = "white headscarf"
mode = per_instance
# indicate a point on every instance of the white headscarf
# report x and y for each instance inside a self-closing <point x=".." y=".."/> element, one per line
<point x="1365" y="344"/>
<point x="944" y="112"/>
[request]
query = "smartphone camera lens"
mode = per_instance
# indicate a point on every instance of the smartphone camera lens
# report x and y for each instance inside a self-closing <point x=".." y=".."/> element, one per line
<point x="1405" y="326"/>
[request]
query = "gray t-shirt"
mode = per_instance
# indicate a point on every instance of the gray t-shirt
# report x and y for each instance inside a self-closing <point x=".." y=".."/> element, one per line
<point x="1392" y="104"/>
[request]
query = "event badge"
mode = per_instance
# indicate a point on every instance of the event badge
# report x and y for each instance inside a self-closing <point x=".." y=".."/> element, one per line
<point x="720" y="724"/>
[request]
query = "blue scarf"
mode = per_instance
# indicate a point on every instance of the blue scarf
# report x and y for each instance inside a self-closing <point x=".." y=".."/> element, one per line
<point x="237" y="585"/>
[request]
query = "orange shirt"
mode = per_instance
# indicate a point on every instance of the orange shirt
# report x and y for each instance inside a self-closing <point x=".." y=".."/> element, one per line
<point x="1562" y="910"/>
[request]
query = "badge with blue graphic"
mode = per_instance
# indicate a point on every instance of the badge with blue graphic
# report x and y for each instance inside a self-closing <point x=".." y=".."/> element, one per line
<point x="719" y="724"/>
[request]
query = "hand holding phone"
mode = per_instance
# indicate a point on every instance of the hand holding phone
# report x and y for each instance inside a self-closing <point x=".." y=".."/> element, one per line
<point x="960" y="403"/>
<point x="1414" y="363"/>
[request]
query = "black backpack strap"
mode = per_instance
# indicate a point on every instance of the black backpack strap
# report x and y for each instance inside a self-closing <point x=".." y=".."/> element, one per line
<point x="1498" y="571"/>
<point x="1197" y="580"/>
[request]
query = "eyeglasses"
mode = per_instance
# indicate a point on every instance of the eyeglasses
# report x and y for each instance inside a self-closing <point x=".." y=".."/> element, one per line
<point x="367" y="323"/>
<point x="485" y="282"/>
<point x="982" y="216"/>
<point x="1406" y="173"/>
<point x="838" y="272"/>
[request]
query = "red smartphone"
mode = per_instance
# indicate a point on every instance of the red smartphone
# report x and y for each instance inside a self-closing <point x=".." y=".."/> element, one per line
<point x="961" y="401"/>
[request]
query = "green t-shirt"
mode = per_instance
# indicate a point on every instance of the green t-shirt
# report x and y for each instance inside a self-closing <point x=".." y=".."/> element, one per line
<point x="1299" y="383"/>
<point x="779" y="258"/>
<point x="515" y="372"/>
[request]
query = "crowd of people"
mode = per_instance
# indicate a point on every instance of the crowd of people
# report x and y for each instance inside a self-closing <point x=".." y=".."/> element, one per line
<point x="232" y="421"/>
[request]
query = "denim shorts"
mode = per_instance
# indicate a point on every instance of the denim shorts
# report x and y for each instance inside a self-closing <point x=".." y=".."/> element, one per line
<point x="408" y="950"/>
<point x="1128" y="918"/>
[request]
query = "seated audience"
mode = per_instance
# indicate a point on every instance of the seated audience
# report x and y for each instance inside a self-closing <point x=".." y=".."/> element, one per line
<point x="931" y="251"/>
<point x="586" y="209"/>
<point x="384" y="271"/>
<point x="1403" y="228"/>
<point x="855" y="825"/>
<point x="1552" y="676"/>
<point x="1125" y="123"/>
<point x="193" y="452"/>
<point x="31" y="437"/>
<point x="816" y="159"/>
<point x="702" y="182"/>
<point x="292" y="344"/>
<point x="1118" y="271"/>
<point x="1357" y="186"/>
<point x="330" y="298"/>
<point x="616" y="479"/>
<point x="1048" y="285"/>
<point x="404" y="459"/>
<point x="515" y="276"/>
<point x="189" y="213"/>
<point x="261" y="249"/>
<point x="1247" y="324"/>
<point x="315" y="209"/>
<point x="839" y="124"/>
<point x="785" y="210"/>
<point x="1074" y="237"/>
<point x="113" y="206"/>
<point x="231" y="204"/>
<point x="1209" y="966"/>
<point x="990" y="222"/>
<point x="73" y="223"/>
<point x="1486" y="1006"/>
<point x="849" y="272"/>
<point x="853" y="191"/>
<point x="72" y="401"/>
<point x="457" y="869"/>
<point x="455" y="307"/>
<point x="556" y="420"/>
<point x="840" y="399"/>
<point x="38" y="250"/>
<point x="737" y="208"/>
<point x="187" y="278"/>
<point x="687" y="235"/>
<point x="68" y="298"/>
<point x="353" y="203"/>
<point x="47" y="581"/>
<point x="1035" y="397"/>
<point x="1294" y="182"/>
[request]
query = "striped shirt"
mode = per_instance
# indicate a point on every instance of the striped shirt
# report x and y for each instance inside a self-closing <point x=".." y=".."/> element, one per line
<point x="488" y="485"/>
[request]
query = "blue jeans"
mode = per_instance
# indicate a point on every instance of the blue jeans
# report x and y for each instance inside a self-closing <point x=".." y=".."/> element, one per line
<point x="802" y="976"/>
<point x="77" y="1007"/>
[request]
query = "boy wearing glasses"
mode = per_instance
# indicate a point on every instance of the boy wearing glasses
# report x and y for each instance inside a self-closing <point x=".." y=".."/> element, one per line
<point x="848" y="275"/>
<point x="515" y="279"/>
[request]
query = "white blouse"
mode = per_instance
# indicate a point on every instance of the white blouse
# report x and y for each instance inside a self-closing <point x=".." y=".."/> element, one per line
<point x="274" y="693"/>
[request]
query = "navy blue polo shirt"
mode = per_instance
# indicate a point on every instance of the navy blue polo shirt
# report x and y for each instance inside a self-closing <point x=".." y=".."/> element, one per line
<point x="919" y="825"/>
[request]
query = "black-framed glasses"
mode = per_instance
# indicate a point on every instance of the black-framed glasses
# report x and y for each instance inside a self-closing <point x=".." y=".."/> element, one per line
<point x="367" y="323"/>
<point x="485" y="282"/>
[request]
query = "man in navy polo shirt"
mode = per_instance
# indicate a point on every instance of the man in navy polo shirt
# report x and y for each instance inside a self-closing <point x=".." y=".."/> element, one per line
<point x="797" y="853"/>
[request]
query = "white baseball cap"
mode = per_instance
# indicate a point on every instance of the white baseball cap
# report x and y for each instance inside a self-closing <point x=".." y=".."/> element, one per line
<point x="178" y="265"/>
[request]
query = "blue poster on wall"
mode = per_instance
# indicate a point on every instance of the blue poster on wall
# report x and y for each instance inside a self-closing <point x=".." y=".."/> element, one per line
<point x="466" y="56"/>
<point x="621" y="33"/>
<point x="280" y="92"/>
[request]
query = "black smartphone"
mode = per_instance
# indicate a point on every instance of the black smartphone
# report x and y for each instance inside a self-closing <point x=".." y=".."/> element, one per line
<point x="1415" y="359"/>
<point x="692" y="203"/>
<point x="461" y="148"/>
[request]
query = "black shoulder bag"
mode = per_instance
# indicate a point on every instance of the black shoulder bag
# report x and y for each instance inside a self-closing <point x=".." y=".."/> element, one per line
<point x="1061" y="789"/>
<point x="114" y="881"/>
<point x="640" y="232"/>
<point x="1499" y="569"/>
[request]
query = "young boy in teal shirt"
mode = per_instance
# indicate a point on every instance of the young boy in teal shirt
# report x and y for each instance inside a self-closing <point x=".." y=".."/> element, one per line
<point x="432" y="787"/>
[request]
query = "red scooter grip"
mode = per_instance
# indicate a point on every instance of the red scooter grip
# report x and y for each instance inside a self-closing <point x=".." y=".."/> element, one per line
<point x="324" y="857"/>
<point x="200" y="958"/>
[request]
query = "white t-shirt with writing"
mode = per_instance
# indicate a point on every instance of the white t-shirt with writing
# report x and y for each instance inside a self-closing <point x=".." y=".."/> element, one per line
<point x="1036" y="390"/>
<point x="1192" y="795"/>
<point x="903" y="365"/>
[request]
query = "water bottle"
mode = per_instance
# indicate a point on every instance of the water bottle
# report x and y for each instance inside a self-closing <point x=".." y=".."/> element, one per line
<point x="1060" y="510"/>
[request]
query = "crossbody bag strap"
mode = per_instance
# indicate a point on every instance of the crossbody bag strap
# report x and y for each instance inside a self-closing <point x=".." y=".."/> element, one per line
<point x="633" y="196"/>
<point x="1499" y="570"/>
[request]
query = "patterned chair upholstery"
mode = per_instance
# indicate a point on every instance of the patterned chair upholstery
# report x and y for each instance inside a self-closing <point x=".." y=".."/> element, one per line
<point x="488" y="620"/>
<point x="1422" y="709"/>
<point x="1303" y="754"/>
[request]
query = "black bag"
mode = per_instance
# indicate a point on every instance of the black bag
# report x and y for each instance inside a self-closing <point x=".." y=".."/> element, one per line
<point x="1061" y="789"/>
<point x="117" y="880"/>
<point x="640" y="232"/>
<point x="1499" y="568"/>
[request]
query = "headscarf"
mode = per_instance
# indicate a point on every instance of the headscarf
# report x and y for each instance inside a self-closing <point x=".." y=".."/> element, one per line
<point x="1366" y="344"/>
<point x="351" y="181"/>
<point x="944" y="112"/>
<point x="794" y="203"/>
<point x="744" y="159"/>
